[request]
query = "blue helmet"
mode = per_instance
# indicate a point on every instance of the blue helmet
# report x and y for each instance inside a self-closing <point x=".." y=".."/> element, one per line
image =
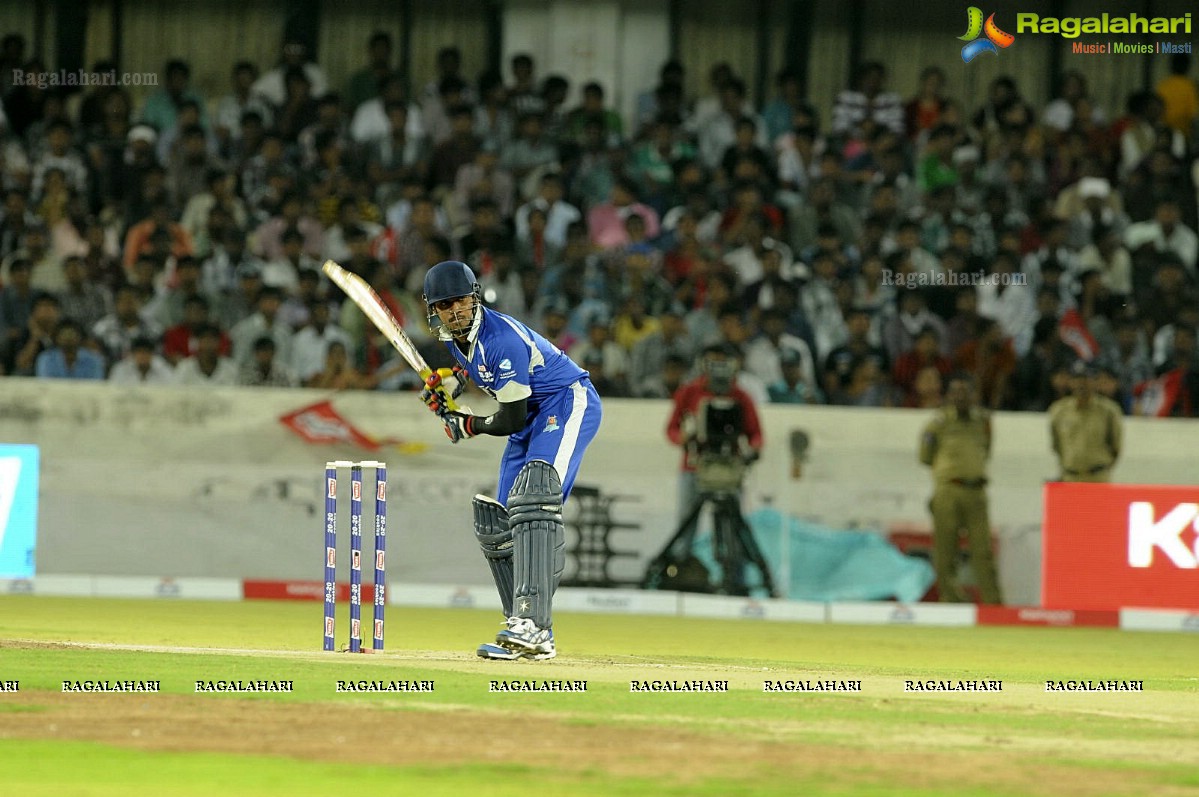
<point x="451" y="279"/>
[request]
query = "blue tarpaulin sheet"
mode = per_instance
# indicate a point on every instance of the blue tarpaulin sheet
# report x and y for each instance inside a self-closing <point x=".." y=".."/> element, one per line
<point x="828" y="564"/>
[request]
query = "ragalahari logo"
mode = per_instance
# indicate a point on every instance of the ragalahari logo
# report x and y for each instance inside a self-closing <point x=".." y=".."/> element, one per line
<point x="994" y="41"/>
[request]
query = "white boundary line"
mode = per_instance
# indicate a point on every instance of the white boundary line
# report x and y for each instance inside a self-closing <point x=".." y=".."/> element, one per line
<point x="628" y="602"/>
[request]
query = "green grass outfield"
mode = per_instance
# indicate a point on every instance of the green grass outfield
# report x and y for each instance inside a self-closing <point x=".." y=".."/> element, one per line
<point x="464" y="739"/>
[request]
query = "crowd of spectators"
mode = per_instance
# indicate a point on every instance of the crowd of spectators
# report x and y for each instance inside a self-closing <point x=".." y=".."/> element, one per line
<point x="851" y="255"/>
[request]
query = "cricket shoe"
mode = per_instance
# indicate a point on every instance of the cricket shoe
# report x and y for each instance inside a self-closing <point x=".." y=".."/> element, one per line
<point x="523" y="636"/>
<point x="493" y="652"/>
<point x="489" y="650"/>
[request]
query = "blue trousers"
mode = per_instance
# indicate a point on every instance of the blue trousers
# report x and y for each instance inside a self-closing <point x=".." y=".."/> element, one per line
<point x="558" y="433"/>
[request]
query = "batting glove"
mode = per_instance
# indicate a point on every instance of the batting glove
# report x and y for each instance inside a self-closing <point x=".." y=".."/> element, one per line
<point x="459" y="373"/>
<point x="458" y="426"/>
<point x="437" y="393"/>
<point x="434" y="395"/>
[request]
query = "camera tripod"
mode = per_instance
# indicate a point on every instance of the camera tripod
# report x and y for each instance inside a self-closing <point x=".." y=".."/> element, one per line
<point x="733" y="544"/>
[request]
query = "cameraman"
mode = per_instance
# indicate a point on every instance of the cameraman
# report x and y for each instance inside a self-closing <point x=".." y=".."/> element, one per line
<point x="717" y="381"/>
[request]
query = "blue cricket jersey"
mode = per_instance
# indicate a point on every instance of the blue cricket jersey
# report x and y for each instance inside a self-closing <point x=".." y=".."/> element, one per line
<point x="510" y="362"/>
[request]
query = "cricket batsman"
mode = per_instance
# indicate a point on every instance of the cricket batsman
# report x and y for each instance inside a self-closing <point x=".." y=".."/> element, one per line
<point x="549" y="412"/>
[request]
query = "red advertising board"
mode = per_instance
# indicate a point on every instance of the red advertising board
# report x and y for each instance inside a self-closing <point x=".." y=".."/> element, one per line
<point x="1057" y="618"/>
<point x="258" y="589"/>
<point x="1108" y="546"/>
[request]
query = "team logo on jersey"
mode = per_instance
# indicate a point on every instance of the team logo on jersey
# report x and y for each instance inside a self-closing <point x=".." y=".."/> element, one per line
<point x="484" y="374"/>
<point x="505" y="365"/>
<point x="551" y="424"/>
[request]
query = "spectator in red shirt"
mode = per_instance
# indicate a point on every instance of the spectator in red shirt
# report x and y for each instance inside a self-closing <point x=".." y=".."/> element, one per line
<point x="923" y="111"/>
<point x="138" y="240"/>
<point x="182" y="340"/>
<point x="689" y="256"/>
<point x="748" y="203"/>
<point x="990" y="357"/>
<point x="925" y="353"/>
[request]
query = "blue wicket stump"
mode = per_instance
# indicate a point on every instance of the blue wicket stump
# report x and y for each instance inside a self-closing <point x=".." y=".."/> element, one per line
<point x="380" y="578"/>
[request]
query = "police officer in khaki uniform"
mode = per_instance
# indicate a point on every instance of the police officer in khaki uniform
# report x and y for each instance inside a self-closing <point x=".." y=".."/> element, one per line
<point x="956" y="445"/>
<point x="1087" y="429"/>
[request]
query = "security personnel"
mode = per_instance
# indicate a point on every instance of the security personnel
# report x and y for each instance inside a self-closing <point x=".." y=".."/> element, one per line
<point x="1087" y="429"/>
<point x="956" y="445"/>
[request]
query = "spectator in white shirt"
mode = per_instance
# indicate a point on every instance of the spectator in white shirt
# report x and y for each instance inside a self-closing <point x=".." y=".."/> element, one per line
<point x="284" y="272"/>
<point x="1013" y="305"/>
<point x="295" y="55"/>
<point x="746" y="260"/>
<point x="820" y="306"/>
<point x="901" y="329"/>
<point x="797" y="151"/>
<point x="266" y="321"/>
<point x="311" y="344"/>
<point x="1108" y="256"/>
<point x="117" y="330"/>
<point x="764" y="354"/>
<point x="222" y="192"/>
<point x="349" y="215"/>
<point x="1165" y="233"/>
<point x="206" y="366"/>
<point x="142" y="366"/>
<point x="867" y="102"/>
<point x="708" y="106"/>
<point x="719" y="132"/>
<point x="599" y="343"/>
<point x="231" y="107"/>
<point x="1095" y="207"/>
<point x="59" y="155"/>
<point x="559" y="214"/>
<point x="1140" y="136"/>
<point x="1059" y="113"/>
<point x="370" y="122"/>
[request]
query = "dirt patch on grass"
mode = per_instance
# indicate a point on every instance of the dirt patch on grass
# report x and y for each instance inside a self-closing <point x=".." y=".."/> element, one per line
<point x="33" y="644"/>
<point x="391" y="733"/>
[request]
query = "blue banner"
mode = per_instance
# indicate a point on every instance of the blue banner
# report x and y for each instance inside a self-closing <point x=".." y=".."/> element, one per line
<point x="18" y="510"/>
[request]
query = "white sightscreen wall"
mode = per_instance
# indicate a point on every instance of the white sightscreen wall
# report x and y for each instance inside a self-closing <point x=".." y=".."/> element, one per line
<point x="170" y="482"/>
